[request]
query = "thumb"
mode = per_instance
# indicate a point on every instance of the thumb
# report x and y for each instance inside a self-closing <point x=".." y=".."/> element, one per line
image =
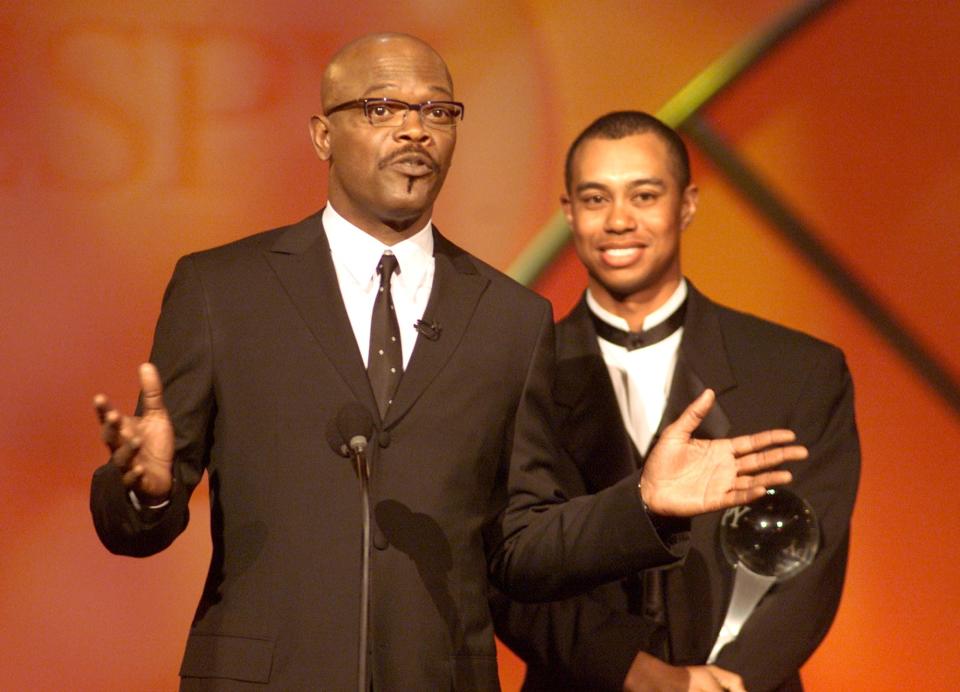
<point x="151" y="388"/>
<point x="694" y="414"/>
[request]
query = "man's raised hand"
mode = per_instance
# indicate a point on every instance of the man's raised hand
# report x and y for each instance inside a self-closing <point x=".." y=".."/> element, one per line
<point x="684" y="476"/>
<point x="142" y="447"/>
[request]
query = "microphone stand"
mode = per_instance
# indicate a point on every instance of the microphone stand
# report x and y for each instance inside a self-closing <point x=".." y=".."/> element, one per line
<point x="358" y="446"/>
<point x="347" y="435"/>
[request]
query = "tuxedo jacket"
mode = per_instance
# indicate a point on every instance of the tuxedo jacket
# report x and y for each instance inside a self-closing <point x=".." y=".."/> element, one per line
<point x="257" y="357"/>
<point x="765" y="376"/>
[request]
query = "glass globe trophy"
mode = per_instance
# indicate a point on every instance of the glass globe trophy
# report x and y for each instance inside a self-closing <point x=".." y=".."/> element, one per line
<point x="772" y="539"/>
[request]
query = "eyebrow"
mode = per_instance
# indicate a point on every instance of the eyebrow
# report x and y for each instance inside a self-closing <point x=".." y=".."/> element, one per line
<point x="639" y="182"/>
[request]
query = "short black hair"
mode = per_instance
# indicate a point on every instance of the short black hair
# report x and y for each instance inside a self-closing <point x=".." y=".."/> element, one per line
<point x="620" y="124"/>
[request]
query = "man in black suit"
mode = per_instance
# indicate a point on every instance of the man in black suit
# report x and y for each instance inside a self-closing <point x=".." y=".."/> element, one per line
<point x="259" y="345"/>
<point x="641" y="343"/>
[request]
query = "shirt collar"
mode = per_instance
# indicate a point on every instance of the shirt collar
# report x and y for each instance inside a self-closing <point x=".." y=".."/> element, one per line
<point x="358" y="252"/>
<point x="652" y="320"/>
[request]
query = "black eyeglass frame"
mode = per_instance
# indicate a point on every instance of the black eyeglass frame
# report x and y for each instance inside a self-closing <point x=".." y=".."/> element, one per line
<point x="367" y="103"/>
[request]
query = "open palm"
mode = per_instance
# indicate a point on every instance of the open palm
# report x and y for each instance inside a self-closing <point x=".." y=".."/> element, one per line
<point x="684" y="476"/>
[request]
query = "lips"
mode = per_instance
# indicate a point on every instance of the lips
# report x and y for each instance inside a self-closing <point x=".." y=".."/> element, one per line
<point x="621" y="256"/>
<point x="413" y="165"/>
<point x="411" y="162"/>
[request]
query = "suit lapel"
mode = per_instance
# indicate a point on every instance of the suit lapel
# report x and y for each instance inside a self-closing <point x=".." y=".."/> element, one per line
<point x="593" y="418"/>
<point x="577" y="346"/>
<point x="302" y="262"/>
<point x="701" y="363"/>
<point x="457" y="287"/>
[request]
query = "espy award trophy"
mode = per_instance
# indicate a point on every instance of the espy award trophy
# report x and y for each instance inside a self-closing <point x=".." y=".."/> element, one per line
<point x="770" y="540"/>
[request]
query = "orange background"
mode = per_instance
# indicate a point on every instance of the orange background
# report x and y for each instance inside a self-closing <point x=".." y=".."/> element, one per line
<point x="131" y="133"/>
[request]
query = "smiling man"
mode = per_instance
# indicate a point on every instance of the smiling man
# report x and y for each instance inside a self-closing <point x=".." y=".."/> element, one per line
<point x="641" y="343"/>
<point x="263" y="343"/>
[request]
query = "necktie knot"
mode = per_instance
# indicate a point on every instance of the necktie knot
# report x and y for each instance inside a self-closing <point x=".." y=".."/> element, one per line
<point x="387" y="266"/>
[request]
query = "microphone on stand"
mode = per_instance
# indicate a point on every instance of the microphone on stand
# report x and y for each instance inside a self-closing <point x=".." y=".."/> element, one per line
<point x="353" y="430"/>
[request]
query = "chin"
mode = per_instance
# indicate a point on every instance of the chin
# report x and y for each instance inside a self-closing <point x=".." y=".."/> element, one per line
<point x="623" y="289"/>
<point x="400" y="217"/>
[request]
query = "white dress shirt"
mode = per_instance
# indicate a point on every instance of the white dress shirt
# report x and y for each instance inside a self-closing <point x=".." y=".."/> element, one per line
<point x="356" y="255"/>
<point x="641" y="378"/>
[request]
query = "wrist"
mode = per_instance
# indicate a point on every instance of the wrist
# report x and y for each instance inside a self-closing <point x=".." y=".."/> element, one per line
<point x="143" y="501"/>
<point x="646" y="495"/>
<point x="671" y="530"/>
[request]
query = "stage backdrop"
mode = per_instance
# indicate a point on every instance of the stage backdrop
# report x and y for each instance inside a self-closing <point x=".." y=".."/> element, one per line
<point x="131" y="133"/>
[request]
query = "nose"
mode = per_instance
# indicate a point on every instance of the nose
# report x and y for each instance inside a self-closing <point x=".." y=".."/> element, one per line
<point x="412" y="128"/>
<point x="619" y="219"/>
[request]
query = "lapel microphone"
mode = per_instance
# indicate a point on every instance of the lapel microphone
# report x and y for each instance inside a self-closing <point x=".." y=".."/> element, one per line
<point x="430" y="330"/>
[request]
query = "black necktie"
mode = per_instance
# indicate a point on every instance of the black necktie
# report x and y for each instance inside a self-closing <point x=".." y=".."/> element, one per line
<point x="385" y="360"/>
<point x="635" y="340"/>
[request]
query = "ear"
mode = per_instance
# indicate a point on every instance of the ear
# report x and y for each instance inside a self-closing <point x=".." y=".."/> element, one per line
<point x="688" y="205"/>
<point x="567" y="208"/>
<point x="320" y="136"/>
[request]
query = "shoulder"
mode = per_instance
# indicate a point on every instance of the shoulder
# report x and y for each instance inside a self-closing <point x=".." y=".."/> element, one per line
<point x="294" y="237"/>
<point x="782" y="372"/>
<point x="747" y="334"/>
<point x="757" y="351"/>
<point x="576" y="318"/>
<point x="508" y="294"/>
<point x="783" y="377"/>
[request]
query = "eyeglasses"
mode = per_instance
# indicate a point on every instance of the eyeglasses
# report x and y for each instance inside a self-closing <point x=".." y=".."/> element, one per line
<point x="383" y="112"/>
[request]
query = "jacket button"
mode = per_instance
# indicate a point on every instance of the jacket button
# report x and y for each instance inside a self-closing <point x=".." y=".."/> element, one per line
<point x="384" y="438"/>
<point x="380" y="541"/>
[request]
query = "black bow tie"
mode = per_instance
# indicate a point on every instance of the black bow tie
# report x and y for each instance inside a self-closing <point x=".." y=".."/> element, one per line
<point x="635" y="340"/>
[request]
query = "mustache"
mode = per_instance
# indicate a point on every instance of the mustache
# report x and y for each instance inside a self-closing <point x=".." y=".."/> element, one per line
<point x="410" y="151"/>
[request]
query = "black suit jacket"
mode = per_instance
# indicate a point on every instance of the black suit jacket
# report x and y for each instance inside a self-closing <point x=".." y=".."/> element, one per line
<point x="257" y="356"/>
<point x="765" y="376"/>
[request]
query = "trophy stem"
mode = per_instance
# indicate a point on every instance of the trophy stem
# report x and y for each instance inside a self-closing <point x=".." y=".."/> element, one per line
<point x="748" y="588"/>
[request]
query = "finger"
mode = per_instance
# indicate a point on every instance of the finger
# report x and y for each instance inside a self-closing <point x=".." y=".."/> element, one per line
<point x="745" y="496"/>
<point x="125" y="453"/>
<point x="764" y="480"/>
<point x="702" y="679"/>
<point x="694" y="414"/>
<point x="770" y="457"/>
<point x="102" y="405"/>
<point x="110" y="430"/>
<point x="745" y="444"/>
<point x="151" y="388"/>
<point x="131" y="477"/>
<point x="729" y="681"/>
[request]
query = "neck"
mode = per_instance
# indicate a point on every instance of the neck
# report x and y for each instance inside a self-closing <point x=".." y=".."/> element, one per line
<point x="389" y="230"/>
<point x="392" y="231"/>
<point x="634" y="307"/>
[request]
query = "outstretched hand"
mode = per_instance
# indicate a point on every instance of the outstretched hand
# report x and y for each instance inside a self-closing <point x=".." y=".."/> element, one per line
<point x="142" y="447"/>
<point x="683" y="476"/>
